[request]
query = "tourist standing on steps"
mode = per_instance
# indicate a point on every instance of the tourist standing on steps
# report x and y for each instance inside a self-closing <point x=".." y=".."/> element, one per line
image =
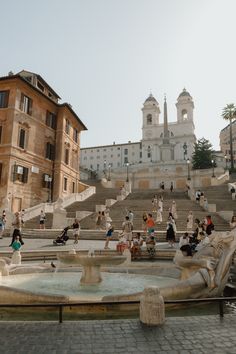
<point x="162" y="186"/>
<point x="76" y="230"/>
<point x="17" y="229"/>
<point x="160" y="203"/>
<point x="201" y="200"/>
<point x="159" y="216"/>
<point x="171" y="187"/>
<point x="232" y="190"/>
<point x="42" y="218"/>
<point x="150" y="224"/>
<point x="131" y="217"/>
<point x="109" y="233"/>
<point x="127" y="229"/>
<point x="99" y="221"/>
<point x="190" y="221"/>
<point x="232" y="223"/>
<point x="173" y="210"/>
<point x="145" y="216"/>
<point x="103" y="221"/>
<point x="170" y="231"/>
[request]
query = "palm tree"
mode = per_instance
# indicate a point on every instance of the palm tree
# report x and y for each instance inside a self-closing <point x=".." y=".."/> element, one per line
<point x="229" y="113"/>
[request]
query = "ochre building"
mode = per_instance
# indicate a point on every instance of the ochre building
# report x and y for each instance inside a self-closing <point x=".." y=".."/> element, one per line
<point x="39" y="143"/>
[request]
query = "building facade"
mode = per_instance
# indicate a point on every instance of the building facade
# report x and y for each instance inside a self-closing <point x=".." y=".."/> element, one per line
<point x="225" y="143"/>
<point x="39" y="142"/>
<point x="165" y="142"/>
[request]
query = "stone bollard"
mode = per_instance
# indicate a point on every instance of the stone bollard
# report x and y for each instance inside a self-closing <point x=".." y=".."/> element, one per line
<point x="3" y="268"/>
<point x="16" y="257"/>
<point x="152" y="307"/>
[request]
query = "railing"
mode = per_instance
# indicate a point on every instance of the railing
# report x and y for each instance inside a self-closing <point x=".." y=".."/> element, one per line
<point x="61" y="306"/>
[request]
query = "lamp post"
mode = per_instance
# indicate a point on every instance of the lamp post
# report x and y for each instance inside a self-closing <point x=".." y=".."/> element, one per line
<point x="109" y="172"/>
<point x="188" y="164"/>
<point x="226" y="161"/>
<point x="127" y="171"/>
<point x="213" y="167"/>
<point x="105" y="168"/>
<point x="49" y="189"/>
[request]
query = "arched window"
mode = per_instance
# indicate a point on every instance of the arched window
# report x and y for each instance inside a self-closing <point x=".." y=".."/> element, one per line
<point x="184" y="114"/>
<point x="149" y="119"/>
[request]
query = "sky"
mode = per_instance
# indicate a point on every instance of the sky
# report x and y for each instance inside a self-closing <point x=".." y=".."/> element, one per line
<point x="104" y="57"/>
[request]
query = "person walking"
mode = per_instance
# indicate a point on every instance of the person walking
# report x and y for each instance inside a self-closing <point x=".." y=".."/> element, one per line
<point x="76" y="230"/>
<point x="99" y="221"/>
<point x="127" y="229"/>
<point x="42" y="218"/>
<point x="17" y="229"/>
<point x="109" y="233"/>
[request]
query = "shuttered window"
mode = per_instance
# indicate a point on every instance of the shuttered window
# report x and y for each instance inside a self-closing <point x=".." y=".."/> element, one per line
<point x="51" y="120"/>
<point x="20" y="173"/>
<point x="50" y="151"/>
<point x="4" y="96"/>
<point x="22" y="138"/>
<point x="26" y="104"/>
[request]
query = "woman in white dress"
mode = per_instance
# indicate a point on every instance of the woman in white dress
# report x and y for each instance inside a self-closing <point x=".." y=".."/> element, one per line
<point x="173" y="210"/>
<point x="190" y="221"/>
<point x="159" y="216"/>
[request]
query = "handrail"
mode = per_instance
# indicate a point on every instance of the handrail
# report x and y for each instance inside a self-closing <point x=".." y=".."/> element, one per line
<point x="60" y="306"/>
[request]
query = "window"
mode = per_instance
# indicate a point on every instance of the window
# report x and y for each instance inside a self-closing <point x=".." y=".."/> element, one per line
<point x="65" y="184"/>
<point x="51" y="120"/>
<point x="67" y="127"/>
<point x="40" y="86"/>
<point x="184" y="114"/>
<point x="20" y="173"/>
<point x="0" y="134"/>
<point x="50" y="151"/>
<point x="73" y="187"/>
<point x="126" y="152"/>
<point x="149" y="119"/>
<point x="140" y="154"/>
<point x="26" y="104"/>
<point x="66" y="160"/>
<point x="75" y="135"/>
<point x="97" y="166"/>
<point x="4" y="95"/>
<point x="125" y="159"/>
<point x="22" y="139"/>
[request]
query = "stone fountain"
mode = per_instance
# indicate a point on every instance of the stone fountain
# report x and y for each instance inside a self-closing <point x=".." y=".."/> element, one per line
<point x="91" y="264"/>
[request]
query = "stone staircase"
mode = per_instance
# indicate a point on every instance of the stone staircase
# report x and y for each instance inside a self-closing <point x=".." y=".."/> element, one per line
<point x="87" y="205"/>
<point x="220" y="196"/>
<point x="139" y="201"/>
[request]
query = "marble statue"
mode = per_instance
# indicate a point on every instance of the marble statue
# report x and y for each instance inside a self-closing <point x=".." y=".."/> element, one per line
<point x="206" y="273"/>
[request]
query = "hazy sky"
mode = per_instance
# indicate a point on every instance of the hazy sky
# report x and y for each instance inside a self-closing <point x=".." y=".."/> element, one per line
<point x="104" y="56"/>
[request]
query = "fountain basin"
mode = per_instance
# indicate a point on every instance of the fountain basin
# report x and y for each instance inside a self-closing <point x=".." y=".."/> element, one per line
<point x="91" y="265"/>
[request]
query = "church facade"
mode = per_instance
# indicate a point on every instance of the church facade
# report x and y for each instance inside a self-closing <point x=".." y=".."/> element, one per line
<point x="162" y="143"/>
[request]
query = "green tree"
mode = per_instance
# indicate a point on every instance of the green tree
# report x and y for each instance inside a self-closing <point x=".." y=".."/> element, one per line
<point x="202" y="154"/>
<point x="229" y="113"/>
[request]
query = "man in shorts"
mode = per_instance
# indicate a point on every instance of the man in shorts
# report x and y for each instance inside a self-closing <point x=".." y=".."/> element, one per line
<point x="127" y="228"/>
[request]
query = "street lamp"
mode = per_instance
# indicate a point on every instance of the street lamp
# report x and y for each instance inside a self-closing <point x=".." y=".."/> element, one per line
<point x="127" y="175"/>
<point x="109" y="172"/>
<point x="188" y="164"/>
<point x="49" y="179"/>
<point x="226" y="161"/>
<point x="105" y="168"/>
<point x="213" y="165"/>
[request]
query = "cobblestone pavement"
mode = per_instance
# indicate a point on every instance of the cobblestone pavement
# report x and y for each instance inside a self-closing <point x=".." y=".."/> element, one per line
<point x="179" y="335"/>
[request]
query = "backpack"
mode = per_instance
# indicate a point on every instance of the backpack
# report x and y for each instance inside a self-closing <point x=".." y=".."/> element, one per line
<point x="128" y="227"/>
